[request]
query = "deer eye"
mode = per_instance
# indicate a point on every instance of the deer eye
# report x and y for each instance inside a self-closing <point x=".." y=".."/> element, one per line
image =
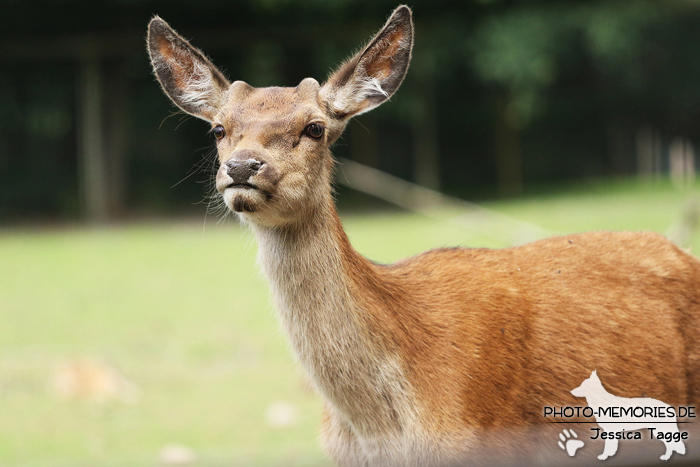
<point x="315" y="130"/>
<point x="219" y="132"/>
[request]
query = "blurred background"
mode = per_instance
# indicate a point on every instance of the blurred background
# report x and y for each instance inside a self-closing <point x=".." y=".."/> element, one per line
<point x="135" y="330"/>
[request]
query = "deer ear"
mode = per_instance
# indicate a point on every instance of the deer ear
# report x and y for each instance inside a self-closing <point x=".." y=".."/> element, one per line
<point x="373" y="75"/>
<point x="186" y="75"/>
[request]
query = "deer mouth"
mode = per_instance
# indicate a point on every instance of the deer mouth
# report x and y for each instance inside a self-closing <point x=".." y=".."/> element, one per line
<point x="244" y="186"/>
<point x="238" y="199"/>
<point x="245" y="197"/>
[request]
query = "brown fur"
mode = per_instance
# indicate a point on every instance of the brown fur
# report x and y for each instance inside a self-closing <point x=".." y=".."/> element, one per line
<point x="528" y="324"/>
<point x="449" y="355"/>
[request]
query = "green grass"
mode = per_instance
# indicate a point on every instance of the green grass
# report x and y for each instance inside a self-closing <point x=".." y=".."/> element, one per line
<point x="183" y="313"/>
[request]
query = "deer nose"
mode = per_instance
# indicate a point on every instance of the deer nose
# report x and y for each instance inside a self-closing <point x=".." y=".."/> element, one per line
<point x="241" y="171"/>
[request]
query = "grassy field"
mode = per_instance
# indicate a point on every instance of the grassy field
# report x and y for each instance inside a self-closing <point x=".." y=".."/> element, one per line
<point x="117" y="342"/>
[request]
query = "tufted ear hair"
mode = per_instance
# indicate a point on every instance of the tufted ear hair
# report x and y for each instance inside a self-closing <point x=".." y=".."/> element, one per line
<point x="373" y="75"/>
<point x="191" y="81"/>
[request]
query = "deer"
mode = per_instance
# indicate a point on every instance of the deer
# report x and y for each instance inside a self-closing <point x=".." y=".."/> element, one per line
<point x="418" y="361"/>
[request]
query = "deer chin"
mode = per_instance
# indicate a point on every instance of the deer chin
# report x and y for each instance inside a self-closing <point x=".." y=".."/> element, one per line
<point x="244" y="198"/>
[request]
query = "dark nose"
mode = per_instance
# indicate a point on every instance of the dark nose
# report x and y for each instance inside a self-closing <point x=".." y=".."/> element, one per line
<point x="241" y="171"/>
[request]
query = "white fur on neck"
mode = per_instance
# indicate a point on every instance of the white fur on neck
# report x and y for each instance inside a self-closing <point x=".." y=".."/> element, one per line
<point x="364" y="385"/>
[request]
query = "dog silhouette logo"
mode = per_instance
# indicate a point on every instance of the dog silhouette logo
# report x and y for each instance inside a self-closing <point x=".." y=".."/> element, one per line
<point x="616" y="415"/>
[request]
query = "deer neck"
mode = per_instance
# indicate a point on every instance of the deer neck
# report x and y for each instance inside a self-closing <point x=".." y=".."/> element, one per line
<point x="329" y="327"/>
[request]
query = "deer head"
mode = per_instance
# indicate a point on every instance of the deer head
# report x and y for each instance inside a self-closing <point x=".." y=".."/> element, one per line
<point x="274" y="143"/>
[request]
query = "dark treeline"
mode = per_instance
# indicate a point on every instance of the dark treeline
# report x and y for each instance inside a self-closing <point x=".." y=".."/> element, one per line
<point x="502" y="96"/>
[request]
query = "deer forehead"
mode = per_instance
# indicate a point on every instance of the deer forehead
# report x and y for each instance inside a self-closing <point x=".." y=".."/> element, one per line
<point x="275" y="106"/>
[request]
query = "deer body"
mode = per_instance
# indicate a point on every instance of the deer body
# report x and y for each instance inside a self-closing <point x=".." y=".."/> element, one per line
<point x="511" y="332"/>
<point x="418" y="360"/>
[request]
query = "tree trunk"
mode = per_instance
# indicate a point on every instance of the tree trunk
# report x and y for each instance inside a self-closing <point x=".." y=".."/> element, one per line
<point x="508" y="150"/>
<point x="91" y="144"/>
<point x="426" y="158"/>
<point x="116" y="118"/>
